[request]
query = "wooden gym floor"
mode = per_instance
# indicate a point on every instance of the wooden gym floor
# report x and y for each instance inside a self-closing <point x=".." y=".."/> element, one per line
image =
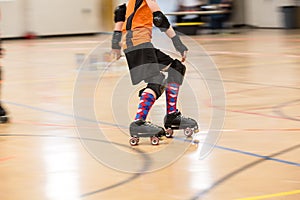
<point x="43" y="154"/>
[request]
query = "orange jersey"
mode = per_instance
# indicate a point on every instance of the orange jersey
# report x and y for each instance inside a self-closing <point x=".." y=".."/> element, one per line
<point x="138" y="23"/>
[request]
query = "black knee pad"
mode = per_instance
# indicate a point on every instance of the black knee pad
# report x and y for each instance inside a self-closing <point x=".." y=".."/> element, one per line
<point x="176" y="72"/>
<point x="155" y="83"/>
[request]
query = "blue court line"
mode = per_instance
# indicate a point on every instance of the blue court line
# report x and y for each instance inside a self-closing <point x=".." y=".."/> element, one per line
<point x="64" y="114"/>
<point x="115" y="125"/>
<point x="259" y="156"/>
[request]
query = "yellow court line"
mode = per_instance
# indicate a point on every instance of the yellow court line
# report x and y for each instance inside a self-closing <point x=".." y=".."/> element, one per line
<point x="189" y="23"/>
<point x="272" y="195"/>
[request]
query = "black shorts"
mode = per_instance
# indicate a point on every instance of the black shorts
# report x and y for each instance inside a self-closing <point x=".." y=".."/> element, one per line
<point x="145" y="61"/>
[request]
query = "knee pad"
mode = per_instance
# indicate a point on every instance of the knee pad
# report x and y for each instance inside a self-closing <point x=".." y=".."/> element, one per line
<point x="176" y="72"/>
<point x="155" y="83"/>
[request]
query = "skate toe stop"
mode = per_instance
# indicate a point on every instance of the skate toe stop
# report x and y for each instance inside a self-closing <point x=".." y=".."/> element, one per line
<point x="4" y="119"/>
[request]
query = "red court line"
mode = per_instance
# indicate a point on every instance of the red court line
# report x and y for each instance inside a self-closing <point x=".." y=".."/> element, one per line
<point x="263" y="130"/>
<point x="60" y="43"/>
<point x="246" y="111"/>
<point x="256" y="113"/>
<point x="247" y="90"/>
<point x="265" y="39"/>
<point x="6" y="158"/>
<point x="254" y="54"/>
<point x="59" y="125"/>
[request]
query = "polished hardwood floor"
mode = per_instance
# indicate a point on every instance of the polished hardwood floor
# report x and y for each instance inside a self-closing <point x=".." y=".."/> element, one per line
<point x="68" y="133"/>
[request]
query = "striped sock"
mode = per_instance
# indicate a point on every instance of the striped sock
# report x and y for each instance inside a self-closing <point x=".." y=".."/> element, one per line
<point x="172" y="91"/>
<point x="146" y="102"/>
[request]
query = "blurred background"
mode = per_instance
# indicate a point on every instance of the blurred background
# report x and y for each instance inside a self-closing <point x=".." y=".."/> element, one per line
<point x="31" y="18"/>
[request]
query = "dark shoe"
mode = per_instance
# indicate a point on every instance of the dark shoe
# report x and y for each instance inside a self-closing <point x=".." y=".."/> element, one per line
<point x="177" y="121"/>
<point x="3" y="115"/>
<point x="141" y="128"/>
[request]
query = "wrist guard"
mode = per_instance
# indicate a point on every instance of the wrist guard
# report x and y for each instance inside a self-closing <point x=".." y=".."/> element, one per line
<point x="179" y="46"/>
<point x="116" y="39"/>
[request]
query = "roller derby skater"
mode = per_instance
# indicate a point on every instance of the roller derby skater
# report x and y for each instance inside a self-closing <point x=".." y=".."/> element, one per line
<point x="3" y="113"/>
<point x="134" y="21"/>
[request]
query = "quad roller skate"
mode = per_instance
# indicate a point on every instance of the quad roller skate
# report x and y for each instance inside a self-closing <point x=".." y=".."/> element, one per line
<point x="176" y="121"/>
<point x="3" y="115"/>
<point x="141" y="128"/>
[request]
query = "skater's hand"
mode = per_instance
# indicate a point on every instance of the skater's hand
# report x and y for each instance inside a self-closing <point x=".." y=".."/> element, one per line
<point x="115" y="54"/>
<point x="180" y="47"/>
<point x="183" y="56"/>
<point x="116" y="45"/>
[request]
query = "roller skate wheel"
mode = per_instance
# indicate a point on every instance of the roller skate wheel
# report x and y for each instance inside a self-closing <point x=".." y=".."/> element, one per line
<point x="188" y="132"/>
<point x="134" y="141"/>
<point x="169" y="133"/>
<point x="154" y="140"/>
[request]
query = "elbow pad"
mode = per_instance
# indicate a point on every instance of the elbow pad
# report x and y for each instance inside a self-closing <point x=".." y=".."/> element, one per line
<point x="161" y="21"/>
<point x="120" y="13"/>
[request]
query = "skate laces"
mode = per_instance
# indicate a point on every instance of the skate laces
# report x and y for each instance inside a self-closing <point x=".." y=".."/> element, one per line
<point x="182" y="116"/>
<point x="147" y="123"/>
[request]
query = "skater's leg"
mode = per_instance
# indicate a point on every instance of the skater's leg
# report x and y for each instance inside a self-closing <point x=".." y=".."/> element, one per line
<point x="172" y="90"/>
<point x="139" y="127"/>
<point x="175" y="78"/>
<point x="3" y="114"/>
<point x="172" y="86"/>
<point x="147" y="99"/>
<point x="148" y="95"/>
<point x="173" y="118"/>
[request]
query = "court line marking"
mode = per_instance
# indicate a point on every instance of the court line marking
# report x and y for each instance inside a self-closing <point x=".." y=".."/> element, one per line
<point x="281" y="194"/>
<point x="218" y="182"/>
<point x="226" y="39"/>
<point x="28" y="122"/>
<point x="6" y="158"/>
<point x="258" y="155"/>
<point x="122" y="126"/>
<point x="238" y="53"/>
<point x="238" y="171"/>
<point x="279" y="110"/>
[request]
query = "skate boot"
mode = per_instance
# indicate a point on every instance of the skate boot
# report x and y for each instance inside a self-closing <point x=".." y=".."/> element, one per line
<point x="141" y="128"/>
<point x="3" y="115"/>
<point x="176" y="121"/>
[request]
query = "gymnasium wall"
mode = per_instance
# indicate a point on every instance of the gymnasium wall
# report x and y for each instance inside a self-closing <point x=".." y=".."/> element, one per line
<point x="266" y="13"/>
<point x="56" y="17"/>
